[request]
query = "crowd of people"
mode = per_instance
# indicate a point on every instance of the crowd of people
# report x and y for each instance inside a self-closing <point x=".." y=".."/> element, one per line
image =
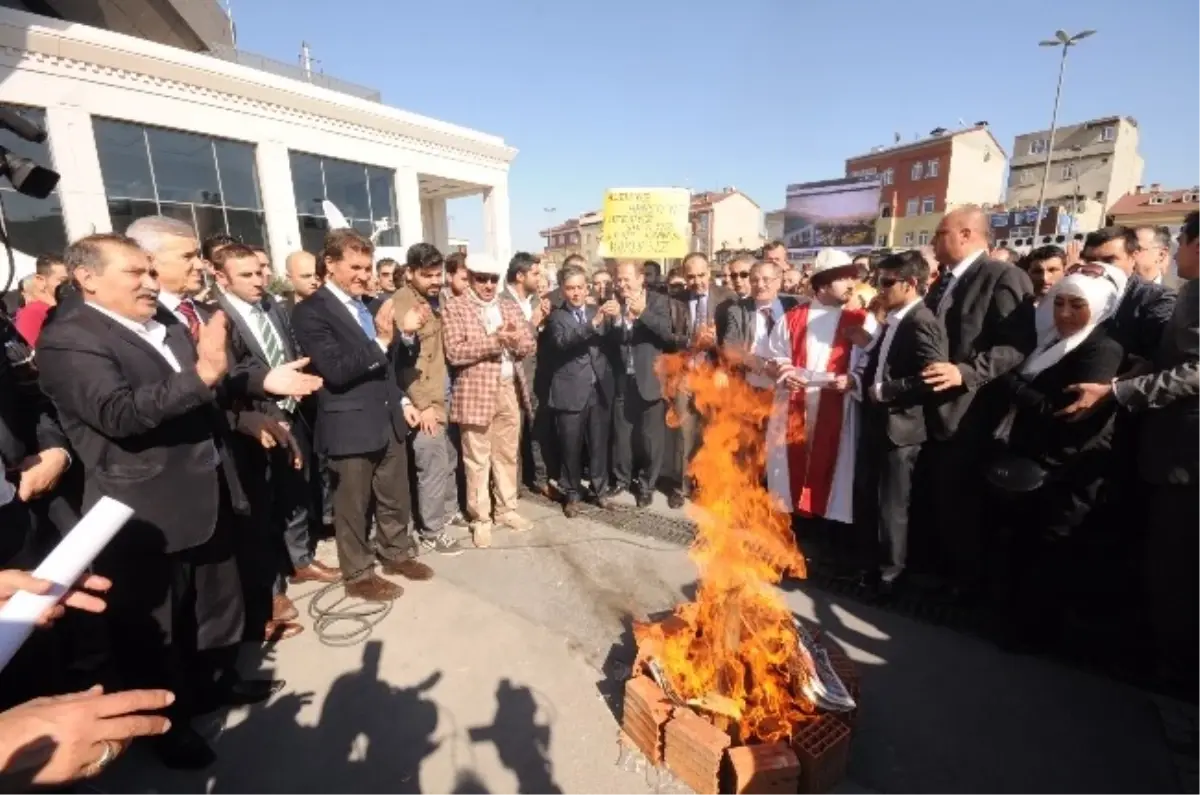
<point x="969" y="424"/>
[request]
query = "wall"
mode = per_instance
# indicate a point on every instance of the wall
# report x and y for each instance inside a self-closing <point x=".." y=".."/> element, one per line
<point x="901" y="160"/>
<point x="977" y="169"/>
<point x="737" y="222"/>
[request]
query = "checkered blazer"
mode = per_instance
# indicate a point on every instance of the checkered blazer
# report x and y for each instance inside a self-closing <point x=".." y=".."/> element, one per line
<point x="474" y="359"/>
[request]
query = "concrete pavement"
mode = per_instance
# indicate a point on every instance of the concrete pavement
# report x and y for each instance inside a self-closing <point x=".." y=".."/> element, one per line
<point x="504" y="674"/>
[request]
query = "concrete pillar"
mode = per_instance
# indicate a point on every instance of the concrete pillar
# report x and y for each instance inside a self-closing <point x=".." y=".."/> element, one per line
<point x="408" y="207"/>
<point x="279" y="201"/>
<point x="81" y="189"/>
<point x="497" y="231"/>
<point x="427" y="231"/>
<point x="439" y="229"/>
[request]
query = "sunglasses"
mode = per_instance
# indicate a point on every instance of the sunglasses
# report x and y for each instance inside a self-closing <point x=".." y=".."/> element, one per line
<point x="739" y="274"/>
<point x="484" y="278"/>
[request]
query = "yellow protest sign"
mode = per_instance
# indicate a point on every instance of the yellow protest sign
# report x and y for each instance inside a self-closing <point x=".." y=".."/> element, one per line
<point x="646" y="223"/>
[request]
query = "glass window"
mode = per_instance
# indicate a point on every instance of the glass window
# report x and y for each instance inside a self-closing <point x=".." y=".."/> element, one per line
<point x="908" y="238"/>
<point x="889" y="176"/>
<point x="1068" y="171"/>
<point x="194" y="178"/>
<point x="365" y="195"/>
<point x="1038" y="146"/>
<point x="910" y="207"/>
<point x="918" y="170"/>
<point x="927" y="205"/>
<point x="923" y="238"/>
<point x="185" y="168"/>
<point x="35" y="226"/>
<point x="931" y="168"/>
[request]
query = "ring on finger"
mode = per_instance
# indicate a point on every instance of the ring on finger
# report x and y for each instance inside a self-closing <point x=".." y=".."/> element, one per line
<point x="106" y="757"/>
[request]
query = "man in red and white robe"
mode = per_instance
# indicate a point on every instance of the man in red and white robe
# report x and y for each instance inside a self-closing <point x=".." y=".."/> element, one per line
<point x="813" y="431"/>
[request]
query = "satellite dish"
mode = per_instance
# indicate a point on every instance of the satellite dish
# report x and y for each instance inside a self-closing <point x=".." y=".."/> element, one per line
<point x="334" y="216"/>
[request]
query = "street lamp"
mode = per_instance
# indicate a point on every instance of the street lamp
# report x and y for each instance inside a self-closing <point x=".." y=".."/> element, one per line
<point x="1061" y="39"/>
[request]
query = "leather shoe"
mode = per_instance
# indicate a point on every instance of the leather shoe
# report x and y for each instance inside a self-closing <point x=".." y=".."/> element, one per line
<point x="411" y="569"/>
<point x="571" y="509"/>
<point x="182" y="748"/>
<point x="644" y="499"/>
<point x="675" y="500"/>
<point x="374" y="588"/>
<point x="282" y="609"/>
<point x="277" y="630"/>
<point x="316" y="572"/>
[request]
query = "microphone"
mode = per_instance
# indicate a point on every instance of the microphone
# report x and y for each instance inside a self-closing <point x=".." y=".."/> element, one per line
<point x="23" y="127"/>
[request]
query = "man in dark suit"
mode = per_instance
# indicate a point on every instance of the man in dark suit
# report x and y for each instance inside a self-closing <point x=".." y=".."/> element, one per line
<point x="581" y="388"/>
<point x="277" y="477"/>
<point x="1168" y="463"/>
<point x="893" y="429"/>
<point x="640" y="333"/>
<point x="538" y="462"/>
<point x="362" y="420"/>
<point x="752" y="319"/>
<point x="140" y="404"/>
<point x="987" y="310"/>
<point x="708" y="308"/>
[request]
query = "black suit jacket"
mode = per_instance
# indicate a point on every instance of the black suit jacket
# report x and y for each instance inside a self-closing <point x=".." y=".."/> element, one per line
<point x="1139" y="321"/>
<point x="580" y="364"/>
<point x="146" y="435"/>
<point x="245" y="353"/>
<point x="742" y="317"/>
<point x="988" y="316"/>
<point x="650" y="336"/>
<point x="720" y="301"/>
<point x="358" y="407"/>
<point x="920" y="340"/>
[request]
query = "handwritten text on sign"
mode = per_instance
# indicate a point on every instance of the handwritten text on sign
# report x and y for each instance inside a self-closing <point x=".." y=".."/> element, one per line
<point x="646" y="223"/>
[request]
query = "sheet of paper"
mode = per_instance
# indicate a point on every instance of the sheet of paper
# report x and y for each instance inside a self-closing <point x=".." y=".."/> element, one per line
<point x="63" y="567"/>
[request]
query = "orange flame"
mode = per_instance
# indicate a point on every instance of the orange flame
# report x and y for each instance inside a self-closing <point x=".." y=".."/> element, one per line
<point x="736" y="645"/>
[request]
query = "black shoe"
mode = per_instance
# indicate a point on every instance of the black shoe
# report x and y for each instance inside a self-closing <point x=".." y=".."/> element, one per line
<point x="182" y="748"/>
<point x="675" y="500"/>
<point x="644" y="499"/>
<point x="234" y="691"/>
<point x="612" y="492"/>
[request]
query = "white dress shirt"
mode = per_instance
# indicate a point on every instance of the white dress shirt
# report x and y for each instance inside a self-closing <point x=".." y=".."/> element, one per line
<point x="246" y="312"/>
<point x="151" y="332"/>
<point x="526" y="304"/>
<point x="885" y="345"/>
<point x="171" y="302"/>
<point x="348" y="303"/>
<point x="761" y="346"/>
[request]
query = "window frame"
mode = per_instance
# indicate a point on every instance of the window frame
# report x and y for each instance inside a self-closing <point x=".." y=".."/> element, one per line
<point x="917" y="171"/>
<point x="932" y="168"/>
<point x="912" y="207"/>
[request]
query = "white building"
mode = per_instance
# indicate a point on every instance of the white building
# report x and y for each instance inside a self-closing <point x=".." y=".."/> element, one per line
<point x="140" y="126"/>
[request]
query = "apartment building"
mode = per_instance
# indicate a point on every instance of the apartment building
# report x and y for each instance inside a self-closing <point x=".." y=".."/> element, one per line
<point x="562" y="241"/>
<point x="923" y="179"/>
<point x="725" y="220"/>
<point x="1092" y="165"/>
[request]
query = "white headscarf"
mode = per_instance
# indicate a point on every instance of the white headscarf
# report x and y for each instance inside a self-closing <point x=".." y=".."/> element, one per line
<point x="1102" y="293"/>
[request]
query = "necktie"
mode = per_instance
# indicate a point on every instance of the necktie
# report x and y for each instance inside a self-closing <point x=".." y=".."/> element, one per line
<point x="768" y="318"/>
<point x="939" y="289"/>
<point x="364" y="317"/>
<point x="580" y="316"/>
<point x="701" y="312"/>
<point x="188" y="310"/>
<point x="272" y="347"/>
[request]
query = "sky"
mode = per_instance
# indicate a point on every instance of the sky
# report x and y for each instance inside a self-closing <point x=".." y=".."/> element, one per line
<point x="753" y="94"/>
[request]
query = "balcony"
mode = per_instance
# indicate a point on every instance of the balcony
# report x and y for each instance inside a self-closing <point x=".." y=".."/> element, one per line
<point x="263" y="63"/>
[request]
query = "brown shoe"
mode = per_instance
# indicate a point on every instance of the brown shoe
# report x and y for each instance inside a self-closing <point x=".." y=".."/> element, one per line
<point x="571" y="509"/>
<point x="282" y="609"/>
<point x="374" y="588"/>
<point x="411" y="569"/>
<point x="315" y="572"/>
<point x="281" y="630"/>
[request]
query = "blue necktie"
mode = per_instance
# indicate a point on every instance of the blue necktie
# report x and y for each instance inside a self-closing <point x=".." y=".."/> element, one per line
<point x="364" y="318"/>
<point x="580" y="316"/>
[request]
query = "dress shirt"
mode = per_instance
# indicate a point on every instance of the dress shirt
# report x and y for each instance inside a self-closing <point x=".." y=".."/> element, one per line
<point x="956" y="273"/>
<point x="885" y="344"/>
<point x="761" y="346"/>
<point x="348" y="302"/>
<point x="246" y="311"/>
<point x="526" y="304"/>
<point x="698" y="310"/>
<point x="151" y="332"/>
<point x="172" y="301"/>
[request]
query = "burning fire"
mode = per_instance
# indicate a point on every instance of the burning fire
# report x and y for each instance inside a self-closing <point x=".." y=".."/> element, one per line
<point x="734" y="652"/>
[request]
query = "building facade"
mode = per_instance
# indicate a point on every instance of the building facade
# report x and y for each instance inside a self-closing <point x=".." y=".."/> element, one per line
<point x="925" y="178"/>
<point x="138" y="127"/>
<point x="723" y="221"/>
<point x="1092" y="165"/>
<point x="562" y="241"/>
<point x="1155" y="206"/>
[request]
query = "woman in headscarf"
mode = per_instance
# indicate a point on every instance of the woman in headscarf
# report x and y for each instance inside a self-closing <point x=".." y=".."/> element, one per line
<point x="1047" y="475"/>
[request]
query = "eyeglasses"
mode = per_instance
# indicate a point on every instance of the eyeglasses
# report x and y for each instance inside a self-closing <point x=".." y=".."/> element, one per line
<point x="739" y="274"/>
<point x="484" y="278"/>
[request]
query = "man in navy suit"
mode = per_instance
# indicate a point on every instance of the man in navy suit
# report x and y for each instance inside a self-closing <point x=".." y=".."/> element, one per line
<point x="362" y="419"/>
<point x="581" y="386"/>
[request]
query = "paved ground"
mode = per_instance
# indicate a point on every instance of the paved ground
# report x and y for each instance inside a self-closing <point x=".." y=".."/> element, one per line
<point x="504" y="673"/>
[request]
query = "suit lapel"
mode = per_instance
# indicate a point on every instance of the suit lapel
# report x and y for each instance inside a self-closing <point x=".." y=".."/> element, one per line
<point x="179" y="342"/>
<point x="118" y="331"/>
<point x="341" y="314"/>
<point x="242" y="327"/>
<point x="285" y="336"/>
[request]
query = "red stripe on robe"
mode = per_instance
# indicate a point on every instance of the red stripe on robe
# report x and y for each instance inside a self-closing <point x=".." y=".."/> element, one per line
<point x="812" y="458"/>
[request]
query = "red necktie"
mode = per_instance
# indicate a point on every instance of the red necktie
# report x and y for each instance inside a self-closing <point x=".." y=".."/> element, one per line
<point x="193" y="320"/>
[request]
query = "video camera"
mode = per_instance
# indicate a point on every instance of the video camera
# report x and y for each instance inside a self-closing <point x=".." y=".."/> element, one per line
<point x="25" y="175"/>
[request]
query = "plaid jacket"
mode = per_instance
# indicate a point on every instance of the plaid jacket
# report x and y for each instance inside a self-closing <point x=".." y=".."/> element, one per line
<point x="474" y="359"/>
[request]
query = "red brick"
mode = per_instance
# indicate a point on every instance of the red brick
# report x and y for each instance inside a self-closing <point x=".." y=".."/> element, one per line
<point x="762" y="769"/>
<point x="823" y="748"/>
<point x="645" y="712"/>
<point x="694" y="749"/>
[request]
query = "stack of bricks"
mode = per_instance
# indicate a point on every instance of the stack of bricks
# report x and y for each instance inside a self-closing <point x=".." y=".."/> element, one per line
<point x="823" y="748"/>
<point x="762" y="769"/>
<point x="847" y="671"/>
<point x="645" y="713"/>
<point x="694" y="751"/>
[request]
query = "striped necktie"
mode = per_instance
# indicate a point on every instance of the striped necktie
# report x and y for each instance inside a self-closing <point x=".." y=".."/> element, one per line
<point x="188" y="310"/>
<point x="272" y="347"/>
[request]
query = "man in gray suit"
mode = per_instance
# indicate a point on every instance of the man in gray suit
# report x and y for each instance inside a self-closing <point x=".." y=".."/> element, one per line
<point x="1168" y="461"/>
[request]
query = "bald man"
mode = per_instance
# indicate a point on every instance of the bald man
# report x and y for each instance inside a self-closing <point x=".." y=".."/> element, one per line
<point x="302" y="273"/>
<point x="987" y="308"/>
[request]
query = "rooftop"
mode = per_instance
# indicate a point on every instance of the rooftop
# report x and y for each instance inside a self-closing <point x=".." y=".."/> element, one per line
<point x="935" y="135"/>
<point x="1157" y="201"/>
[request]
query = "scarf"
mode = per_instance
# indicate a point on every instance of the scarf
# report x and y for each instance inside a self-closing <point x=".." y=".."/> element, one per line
<point x="489" y="311"/>
<point x="1102" y="293"/>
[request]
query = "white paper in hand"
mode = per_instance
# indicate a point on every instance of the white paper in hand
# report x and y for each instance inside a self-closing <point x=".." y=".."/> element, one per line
<point x="63" y="567"/>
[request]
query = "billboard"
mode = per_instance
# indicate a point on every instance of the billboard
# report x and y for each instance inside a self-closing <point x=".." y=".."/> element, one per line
<point x="832" y="213"/>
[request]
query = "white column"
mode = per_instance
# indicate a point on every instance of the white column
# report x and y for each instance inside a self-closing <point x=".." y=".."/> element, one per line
<point x="427" y="231"/>
<point x="279" y="201"/>
<point x="439" y="228"/>
<point x="408" y="207"/>
<point x="81" y="189"/>
<point x="497" y="233"/>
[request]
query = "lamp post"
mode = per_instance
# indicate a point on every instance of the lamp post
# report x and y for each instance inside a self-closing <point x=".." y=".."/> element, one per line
<point x="1061" y="39"/>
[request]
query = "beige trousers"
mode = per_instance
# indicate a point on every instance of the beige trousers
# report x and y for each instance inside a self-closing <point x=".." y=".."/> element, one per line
<point x="493" y="450"/>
